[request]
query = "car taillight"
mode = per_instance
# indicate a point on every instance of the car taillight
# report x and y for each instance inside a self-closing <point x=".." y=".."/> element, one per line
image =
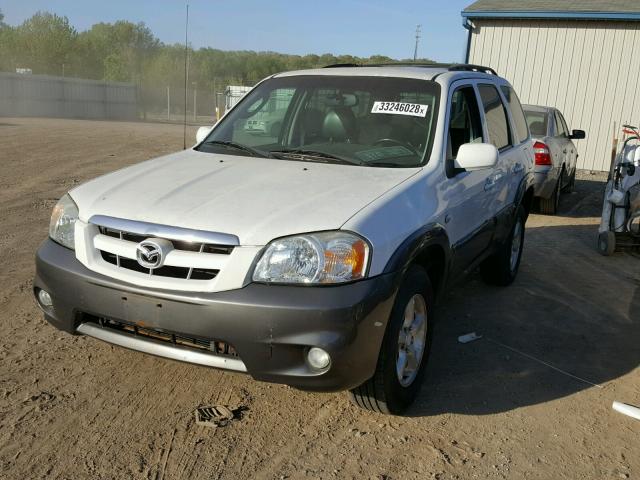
<point x="543" y="156"/>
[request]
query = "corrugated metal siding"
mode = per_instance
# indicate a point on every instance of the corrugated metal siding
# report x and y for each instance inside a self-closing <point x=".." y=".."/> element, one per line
<point x="46" y="96"/>
<point x="588" y="70"/>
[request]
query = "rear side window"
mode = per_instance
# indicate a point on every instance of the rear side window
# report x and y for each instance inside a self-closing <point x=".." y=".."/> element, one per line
<point x="522" y="131"/>
<point x="496" y="117"/>
<point x="465" y="125"/>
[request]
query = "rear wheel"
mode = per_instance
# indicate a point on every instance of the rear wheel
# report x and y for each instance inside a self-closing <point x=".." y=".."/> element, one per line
<point x="502" y="267"/>
<point x="404" y="350"/>
<point x="549" y="206"/>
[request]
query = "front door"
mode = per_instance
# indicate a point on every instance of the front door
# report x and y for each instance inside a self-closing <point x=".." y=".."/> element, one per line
<point x="466" y="195"/>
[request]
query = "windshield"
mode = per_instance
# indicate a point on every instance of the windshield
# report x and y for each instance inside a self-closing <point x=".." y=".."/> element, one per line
<point x="368" y="121"/>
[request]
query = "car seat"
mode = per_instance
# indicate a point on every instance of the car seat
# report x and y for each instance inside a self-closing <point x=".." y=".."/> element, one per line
<point x="339" y="125"/>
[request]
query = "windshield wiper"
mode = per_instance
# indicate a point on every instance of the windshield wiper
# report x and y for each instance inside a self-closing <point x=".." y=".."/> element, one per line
<point x="312" y="155"/>
<point x="237" y="146"/>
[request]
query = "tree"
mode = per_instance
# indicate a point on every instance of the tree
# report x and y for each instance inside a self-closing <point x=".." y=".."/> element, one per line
<point x="130" y="52"/>
<point x="45" y="42"/>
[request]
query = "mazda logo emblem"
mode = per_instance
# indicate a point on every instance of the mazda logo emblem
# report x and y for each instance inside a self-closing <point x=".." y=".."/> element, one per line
<point x="150" y="254"/>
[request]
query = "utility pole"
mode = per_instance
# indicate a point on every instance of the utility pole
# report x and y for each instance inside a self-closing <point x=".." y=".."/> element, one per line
<point x="195" y="96"/>
<point x="415" y="51"/>
<point x="186" y="76"/>
<point x="168" y="102"/>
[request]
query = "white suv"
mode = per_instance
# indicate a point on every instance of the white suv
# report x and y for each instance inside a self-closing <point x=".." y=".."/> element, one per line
<point x="312" y="257"/>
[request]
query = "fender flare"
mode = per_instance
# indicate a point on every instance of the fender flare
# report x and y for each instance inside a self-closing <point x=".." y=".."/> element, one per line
<point x="525" y="184"/>
<point x="430" y="235"/>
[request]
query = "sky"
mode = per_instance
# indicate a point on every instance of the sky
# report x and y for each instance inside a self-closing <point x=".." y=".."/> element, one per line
<point x="356" y="27"/>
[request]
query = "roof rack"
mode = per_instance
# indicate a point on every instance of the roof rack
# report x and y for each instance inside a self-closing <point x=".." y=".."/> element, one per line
<point x="452" y="67"/>
<point x="468" y="67"/>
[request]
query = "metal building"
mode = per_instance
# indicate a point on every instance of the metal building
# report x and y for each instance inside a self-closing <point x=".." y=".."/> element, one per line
<point x="580" y="56"/>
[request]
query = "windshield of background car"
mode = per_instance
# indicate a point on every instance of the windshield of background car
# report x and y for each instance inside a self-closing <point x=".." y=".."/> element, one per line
<point x="537" y="122"/>
<point x="369" y="121"/>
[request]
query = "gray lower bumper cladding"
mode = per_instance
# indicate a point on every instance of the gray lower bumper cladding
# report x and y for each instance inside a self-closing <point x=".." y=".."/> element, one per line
<point x="271" y="328"/>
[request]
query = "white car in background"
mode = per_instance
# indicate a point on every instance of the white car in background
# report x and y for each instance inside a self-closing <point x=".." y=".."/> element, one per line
<point x="556" y="155"/>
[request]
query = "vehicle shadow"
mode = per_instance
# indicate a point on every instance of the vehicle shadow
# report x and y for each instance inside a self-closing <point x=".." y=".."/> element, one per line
<point x="585" y="200"/>
<point x="569" y="307"/>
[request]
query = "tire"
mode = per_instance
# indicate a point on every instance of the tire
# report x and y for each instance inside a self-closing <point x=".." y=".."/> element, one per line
<point x="390" y="391"/>
<point x="607" y="243"/>
<point x="502" y="267"/>
<point x="549" y="206"/>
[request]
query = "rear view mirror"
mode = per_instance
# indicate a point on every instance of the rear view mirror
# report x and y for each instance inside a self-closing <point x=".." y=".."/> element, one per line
<point x="476" y="156"/>
<point x="578" y="135"/>
<point x="202" y="133"/>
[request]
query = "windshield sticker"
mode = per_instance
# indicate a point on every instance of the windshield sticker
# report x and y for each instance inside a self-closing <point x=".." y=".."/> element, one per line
<point x="401" y="108"/>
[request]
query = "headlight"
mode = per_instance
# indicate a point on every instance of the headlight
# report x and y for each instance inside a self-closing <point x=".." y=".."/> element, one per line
<point x="318" y="258"/>
<point x="63" y="220"/>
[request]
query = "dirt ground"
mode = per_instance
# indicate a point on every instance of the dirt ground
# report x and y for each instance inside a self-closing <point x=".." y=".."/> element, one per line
<point x="530" y="400"/>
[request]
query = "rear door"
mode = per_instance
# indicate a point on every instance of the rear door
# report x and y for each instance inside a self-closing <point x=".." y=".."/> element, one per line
<point x="498" y="129"/>
<point x="522" y="161"/>
<point x="464" y="195"/>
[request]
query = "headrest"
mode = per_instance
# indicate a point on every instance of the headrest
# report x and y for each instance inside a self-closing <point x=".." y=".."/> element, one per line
<point x="339" y="124"/>
<point x="537" y="128"/>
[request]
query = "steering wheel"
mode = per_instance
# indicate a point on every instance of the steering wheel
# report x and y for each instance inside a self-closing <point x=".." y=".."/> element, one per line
<point x="397" y="142"/>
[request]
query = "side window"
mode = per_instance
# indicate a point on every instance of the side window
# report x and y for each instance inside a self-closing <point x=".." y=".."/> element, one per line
<point x="564" y="123"/>
<point x="517" y="113"/>
<point x="561" y="129"/>
<point x="496" y="117"/>
<point x="465" y="125"/>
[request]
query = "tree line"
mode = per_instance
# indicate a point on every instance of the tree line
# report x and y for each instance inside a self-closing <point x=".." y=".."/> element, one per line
<point x="124" y="51"/>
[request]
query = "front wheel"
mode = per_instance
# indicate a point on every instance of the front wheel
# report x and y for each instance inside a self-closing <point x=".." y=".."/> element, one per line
<point x="404" y="351"/>
<point x="502" y="267"/>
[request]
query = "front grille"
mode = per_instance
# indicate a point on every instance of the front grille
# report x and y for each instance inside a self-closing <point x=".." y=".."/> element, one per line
<point x="177" y="244"/>
<point x="211" y="345"/>
<point x="185" y="272"/>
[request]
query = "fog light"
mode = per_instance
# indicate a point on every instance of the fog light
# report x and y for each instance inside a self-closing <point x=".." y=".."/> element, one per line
<point x="45" y="298"/>
<point x="318" y="358"/>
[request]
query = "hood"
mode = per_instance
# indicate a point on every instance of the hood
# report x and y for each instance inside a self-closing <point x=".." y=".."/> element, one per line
<point x="256" y="199"/>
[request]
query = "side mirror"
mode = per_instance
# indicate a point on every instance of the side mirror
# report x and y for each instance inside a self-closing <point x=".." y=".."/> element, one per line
<point x="476" y="156"/>
<point x="578" y="135"/>
<point x="202" y="133"/>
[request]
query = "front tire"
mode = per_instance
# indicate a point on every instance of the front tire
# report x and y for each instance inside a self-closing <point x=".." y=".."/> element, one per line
<point x="405" y="347"/>
<point x="502" y="267"/>
<point x="571" y="186"/>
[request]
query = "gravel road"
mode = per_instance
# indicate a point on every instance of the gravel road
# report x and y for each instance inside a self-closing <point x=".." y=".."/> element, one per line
<point x="530" y="400"/>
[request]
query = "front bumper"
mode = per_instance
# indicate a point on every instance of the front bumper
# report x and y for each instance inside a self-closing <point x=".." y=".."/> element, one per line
<point x="270" y="327"/>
